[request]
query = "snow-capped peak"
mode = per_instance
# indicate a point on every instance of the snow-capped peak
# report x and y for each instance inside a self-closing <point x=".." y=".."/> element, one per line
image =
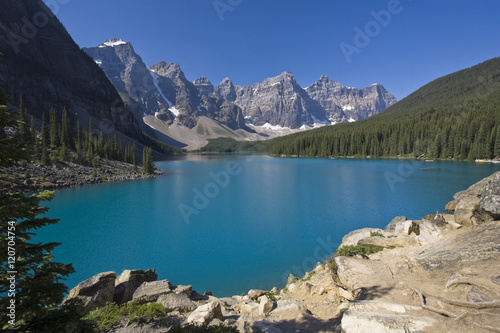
<point x="113" y="42"/>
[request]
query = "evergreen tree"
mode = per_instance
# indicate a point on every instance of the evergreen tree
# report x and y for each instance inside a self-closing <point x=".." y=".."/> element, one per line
<point x="44" y="158"/>
<point x="24" y="126"/>
<point x="66" y="132"/>
<point x="134" y="156"/>
<point x="54" y="129"/>
<point x="147" y="161"/>
<point x="29" y="266"/>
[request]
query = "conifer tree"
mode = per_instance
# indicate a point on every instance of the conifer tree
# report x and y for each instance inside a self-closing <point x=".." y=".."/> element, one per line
<point x="66" y="132"/>
<point x="24" y="126"/>
<point x="147" y="161"/>
<point x="30" y="280"/>
<point x="54" y="129"/>
<point x="44" y="158"/>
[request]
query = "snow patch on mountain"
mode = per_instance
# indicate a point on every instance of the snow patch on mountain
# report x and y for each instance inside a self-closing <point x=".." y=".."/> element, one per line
<point x="113" y="43"/>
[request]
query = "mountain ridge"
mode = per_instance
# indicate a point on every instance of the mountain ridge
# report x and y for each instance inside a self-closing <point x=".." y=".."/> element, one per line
<point x="277" y="103"/>
<point x="456" y="116"/>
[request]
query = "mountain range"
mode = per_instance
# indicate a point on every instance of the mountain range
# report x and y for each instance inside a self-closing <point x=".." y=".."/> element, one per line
<point x="112" y="86"/>
<point x="453" y="117"/>
<point x="162" y="91"/>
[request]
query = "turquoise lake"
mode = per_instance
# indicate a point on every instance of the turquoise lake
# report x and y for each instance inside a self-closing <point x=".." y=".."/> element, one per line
<point x="230" y="223"/>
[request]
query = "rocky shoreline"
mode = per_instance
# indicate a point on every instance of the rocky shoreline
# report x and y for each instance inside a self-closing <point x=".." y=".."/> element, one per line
<point x="34" y="177"/>
<point x="437" y="274"/>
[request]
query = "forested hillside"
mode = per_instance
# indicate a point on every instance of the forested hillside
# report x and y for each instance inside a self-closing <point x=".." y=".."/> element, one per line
<point x="456" y="116"/>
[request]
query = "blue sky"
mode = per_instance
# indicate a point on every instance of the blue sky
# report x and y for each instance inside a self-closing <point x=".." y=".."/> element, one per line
<point x="411" y="44"/>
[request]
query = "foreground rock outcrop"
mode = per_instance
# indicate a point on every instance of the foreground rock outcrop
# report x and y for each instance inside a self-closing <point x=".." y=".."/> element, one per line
<point x="438" y="274"/>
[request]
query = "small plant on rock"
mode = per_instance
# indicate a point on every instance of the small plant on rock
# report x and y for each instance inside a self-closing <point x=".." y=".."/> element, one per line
<point x="353" y="250"/>
<point x="376" y="234"/>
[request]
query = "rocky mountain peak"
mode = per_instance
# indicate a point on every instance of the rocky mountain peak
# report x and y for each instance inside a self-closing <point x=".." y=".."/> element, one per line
<point x="227" y="90"/>
<point x="170" y="70"/>
<point x="204" y="85"/>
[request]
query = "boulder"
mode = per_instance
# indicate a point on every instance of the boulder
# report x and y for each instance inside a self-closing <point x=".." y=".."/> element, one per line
<point x="394" y="224"/>
<point x="204" y="314"/>
<point x="251" y="308"/>
<point x="265" y="305"/>
<point x="465" y="209"/>
<point x="450" y="206"/>
<point x="256" y="293"/>
<point x="428" y="232"/>
<point x="357" y="273"/>
<point x="95" y="291"/>
<point x="176" y="302"/>
<point x="353" y="237"/>
<point x="150" y="291"/>
<point x="355" y="321"/>
<point x="491" y="205"/>
<point x="188" y="290"/>
<point x="464" y="249"/>
<point x="128" y="282"/>
<point x="287" y="306"/>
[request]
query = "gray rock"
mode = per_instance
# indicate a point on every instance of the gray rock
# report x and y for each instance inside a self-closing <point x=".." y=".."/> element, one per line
<point x="204" y="314"/>
<point x="150" y="291"/>
<point x="188" y="290"/>
<point x="287" y="305"/>
<point x="255" y="293"/>
<point x="464" y="249"/>
<point x="355" y="236"/>
<point x="376" y="322"/>
<point x="465" y="209"/>
<point x="388" y="243"/>
<point x="491" y="205"/>
<point x="128" y="282"/>
<point x="176" y="302"/>
<point x="265" y="305"/>
<point x="95" y="291"/>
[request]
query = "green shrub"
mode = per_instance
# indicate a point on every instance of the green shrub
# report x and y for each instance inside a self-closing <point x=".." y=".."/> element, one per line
<point x="272" y="295"/>
<point x="333" y="266"/>
<point x="376" y="234"/>
<point x="105" y="317"/>
<point x="110" y="314"/>
<point x="352" y="250"/>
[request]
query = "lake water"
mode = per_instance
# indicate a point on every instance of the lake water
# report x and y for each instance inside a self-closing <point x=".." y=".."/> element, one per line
<point x="230" y="223"/>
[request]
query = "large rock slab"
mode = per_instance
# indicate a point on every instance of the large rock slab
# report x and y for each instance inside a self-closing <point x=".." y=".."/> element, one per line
<point x="355" y="236"/>
<point x="206" y="313"/>
<point x="358" y="273"/>
<point x="478" y="204"/>
<point x="481" y="244"/>
<point x="176" y="302"/>
<point x="373" y="322"/>
<point x="384" y="317"/>
<point x="95" y="291"/>
<point x="388" y="243"/>
<point x="150" y="291"/>
<point x="128" y="282"/>
<point x="491" y="205"/>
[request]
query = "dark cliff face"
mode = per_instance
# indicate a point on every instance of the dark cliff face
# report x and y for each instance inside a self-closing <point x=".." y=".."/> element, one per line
<point x="131" y="77"/>
<point x="42" y="62"/>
